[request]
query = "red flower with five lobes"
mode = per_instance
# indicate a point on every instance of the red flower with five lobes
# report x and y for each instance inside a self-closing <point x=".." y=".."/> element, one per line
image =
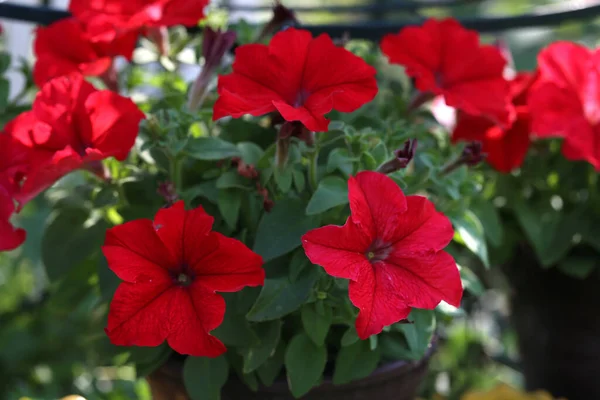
<point x="300" y="77"/>
<point x="447" y="59"/>
<point x="506" y="148"/>
<point x="391" y="250"/>
<point x="171" y="269"/>
<point x="13" y="164"/>
<point x="67" y="46"/>
<point x="566" y="100"/>
<point x="136" y="14"/>
<point x="72" y="125"/>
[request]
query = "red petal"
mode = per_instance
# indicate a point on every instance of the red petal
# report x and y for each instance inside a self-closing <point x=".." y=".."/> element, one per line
<point x="196" y="311"/>
<point x="339" y="249"/>
<point x="378" y="299"/>
<point x="263" y="74"/>
<point x="61" y="48"/>
<point x="230" y="268"/>
<point x="377" y="204"/>
<point x="139" y="313"/>
<point x="564" y="64"/>
<point x="445" y="58"/>
<point x="136" y="254"/>
<point x="113" y="124"/>
<point x="423" y="280"/>
<point x="336" y="78"/>
<point x="421" y="228"/>
<point x="198" y="241"/>
<point x="312" y="121"/>
<point x="555" y="111"/>
<point x="506" y="150"/>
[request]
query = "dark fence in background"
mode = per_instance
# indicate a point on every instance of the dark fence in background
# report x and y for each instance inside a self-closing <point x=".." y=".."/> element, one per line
<point x="567" y="10"/>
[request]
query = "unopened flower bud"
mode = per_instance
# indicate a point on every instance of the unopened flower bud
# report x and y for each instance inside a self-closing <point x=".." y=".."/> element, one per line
<point x="402" y="158"/>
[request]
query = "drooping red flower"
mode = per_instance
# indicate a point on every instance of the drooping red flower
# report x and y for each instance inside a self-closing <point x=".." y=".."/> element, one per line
<point x="171" y="269"/>
<point x="566" y="101"/>
<point x="300" y="77"/>
<point x="391" y="249"/>
<point x="13" y="165"/>
<point x="141" y="13"/>
<point x="72" y="125"/>
<point x="506" y="148"/>
<point x="447" y="59"/>
<point x="68" y="46"/>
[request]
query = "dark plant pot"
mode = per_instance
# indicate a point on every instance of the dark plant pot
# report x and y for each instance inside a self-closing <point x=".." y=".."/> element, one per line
<point x="558" y="328"/>
<point x="395" y="381"/>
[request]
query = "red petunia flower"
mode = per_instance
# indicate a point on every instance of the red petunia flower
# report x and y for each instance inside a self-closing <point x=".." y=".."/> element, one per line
<point x="72" y="125"/>
<point x="66" y="46"/>
<point x="566" y="101"/>
<point x="13" y="164"/>
<point x="447" y="59"/>
<point x="506" y="148"/>
<point x="171" y="270"/>
<point x="300" y="77"/>
<point x="141" y="13"/>
<point x="391" y="250"/>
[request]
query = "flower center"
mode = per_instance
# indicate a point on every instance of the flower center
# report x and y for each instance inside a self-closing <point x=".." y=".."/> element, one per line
<point x="301" y="98"/>
<point x="378" y="251"/>
<point x="184" y="280"/>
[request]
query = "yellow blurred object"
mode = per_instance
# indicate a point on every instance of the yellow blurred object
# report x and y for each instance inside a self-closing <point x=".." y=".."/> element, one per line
<point x="505" y="392"/>
<point x="73" y="397"/>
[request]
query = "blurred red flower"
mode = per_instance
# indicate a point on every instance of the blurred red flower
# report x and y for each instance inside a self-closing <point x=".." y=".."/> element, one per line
<point x="72" y="125"/>
<point x="14" y="159"/>
<point x="447" y="59"/>
<point x="506" y="148"/>
<point x="300" y="77"/>
<point x="171" y="269"/>
<point x="566" y="100"/>
<point x="68" y="46"/>
<point x="391" y="249"/>
<point x="135" y="14"/>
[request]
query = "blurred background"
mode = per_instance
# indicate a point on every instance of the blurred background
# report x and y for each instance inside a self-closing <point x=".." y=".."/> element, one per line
<point x="43" y="338"/>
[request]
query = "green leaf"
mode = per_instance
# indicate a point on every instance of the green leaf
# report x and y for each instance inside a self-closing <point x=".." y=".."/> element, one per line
<point x="4" y="62"/>
<point x="280" y="296"/>
<point x="148" y="359"/>
<point x="299" y="180"/>
<point x="211" y="148"/>
<point x="368" y="161"/>
<point x="271" y="368"/>
<point x="316" y="325"/>
<point x="284" y="178"/>
<point x="470" y="230"/>
<point x="207" y="190"/>
<point x="487" y="213"/>
<point x="235" y="329"/>
<point x="280" y="230"/>
<point x="331" y="192"/>
<point x="340" y="160"/>
<point x="577" y="267"/>
<point x="350" y="337"/>
<point x="4" y="93"/>
<point x="356" y="361"/>
<point x="229" y="202"/>
<point x="204" y="377"/>
<point x="250" y="152"/>
<point x="470" y="281"/>
<point x="236" y="361"/>
<point x="69" y="240"/>
<point x="419" y="333"/>
<point x="269" y="334"/>
<point x="231" y="179"/>
<point x="380" y="153"/>
<point x="298" y="262"/>
<point x="304" y="363"/>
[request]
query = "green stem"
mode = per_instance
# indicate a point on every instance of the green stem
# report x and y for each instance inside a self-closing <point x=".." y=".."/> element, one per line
<point x="312" y="169"/>
<point x="175" y="167"/>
